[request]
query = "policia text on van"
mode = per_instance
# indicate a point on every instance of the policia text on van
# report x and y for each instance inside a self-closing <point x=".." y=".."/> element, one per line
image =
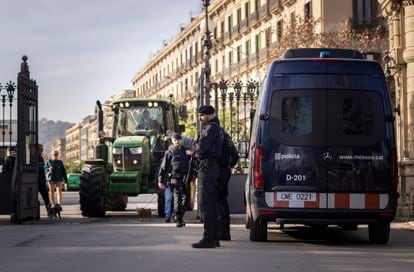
<point x="322" y="147"/>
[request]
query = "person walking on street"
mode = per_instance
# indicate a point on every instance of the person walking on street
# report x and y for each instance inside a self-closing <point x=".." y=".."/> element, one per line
<point x="173" y="170"/>
<point x="207" y="150"/>
<point x="228" y="160"/>
<point x="41" y="179"/>
<point x="58" y="175"/>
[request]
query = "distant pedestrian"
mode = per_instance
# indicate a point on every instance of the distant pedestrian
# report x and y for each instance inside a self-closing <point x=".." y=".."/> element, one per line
<point x="41" y="179"/>
<point x="173" y="170"/>
<point x="9" y="161"/>
<point x="58" y="176"/>
<point x="207" y="150"/>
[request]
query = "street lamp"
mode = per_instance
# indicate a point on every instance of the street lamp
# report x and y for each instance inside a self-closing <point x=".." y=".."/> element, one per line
<point x="205" y="92"/>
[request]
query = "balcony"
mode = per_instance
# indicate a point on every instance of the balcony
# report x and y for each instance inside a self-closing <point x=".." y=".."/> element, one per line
<point x="244" y="24"/>
<point x="236" y="32"/>
<point x="254" y="19"/>
<point x="287" y="3"/>
<point x="227" y="37"/>
<point x="364" y="23"/>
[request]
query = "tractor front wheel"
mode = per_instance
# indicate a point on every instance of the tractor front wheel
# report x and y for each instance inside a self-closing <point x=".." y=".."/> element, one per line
<point x="91" y="191"/>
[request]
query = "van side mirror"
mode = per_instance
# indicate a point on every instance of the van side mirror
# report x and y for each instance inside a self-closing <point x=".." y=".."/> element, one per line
<point x="182" y="111"/>
<point x="243" y="149"/>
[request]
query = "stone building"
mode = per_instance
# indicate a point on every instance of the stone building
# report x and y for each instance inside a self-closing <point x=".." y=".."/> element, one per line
<point x="244" y="34"/>
<point x="399" y="69"/>
<point x="58" y="144"/>
<point x="73" y="143"/>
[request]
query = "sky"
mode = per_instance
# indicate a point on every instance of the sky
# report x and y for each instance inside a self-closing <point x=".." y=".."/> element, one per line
<point x="80" y="51"/>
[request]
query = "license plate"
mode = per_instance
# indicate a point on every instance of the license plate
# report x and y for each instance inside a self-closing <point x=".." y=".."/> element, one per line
<point x="296" y="196"/>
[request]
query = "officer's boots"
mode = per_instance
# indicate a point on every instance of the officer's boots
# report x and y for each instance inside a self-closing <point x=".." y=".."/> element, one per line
<point x="180" y="223"/>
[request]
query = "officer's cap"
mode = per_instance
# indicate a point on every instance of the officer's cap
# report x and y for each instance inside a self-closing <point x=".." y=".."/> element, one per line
<point x="206" y="109"/>
<point x="176" y="136"/>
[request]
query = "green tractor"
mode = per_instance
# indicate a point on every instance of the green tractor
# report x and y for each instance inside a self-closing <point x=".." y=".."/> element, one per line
<point x="127" y="163"/>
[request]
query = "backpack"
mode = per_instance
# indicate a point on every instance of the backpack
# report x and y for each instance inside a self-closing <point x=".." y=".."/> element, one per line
<point x="229" y="155"/>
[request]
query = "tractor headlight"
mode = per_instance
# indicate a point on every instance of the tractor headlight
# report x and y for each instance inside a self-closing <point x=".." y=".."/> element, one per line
<point x="135" y="150"/>
<point x="117" y="150"/>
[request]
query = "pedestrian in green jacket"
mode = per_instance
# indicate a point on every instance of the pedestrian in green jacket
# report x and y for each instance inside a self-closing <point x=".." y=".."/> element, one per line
<point x="57" y="173"/>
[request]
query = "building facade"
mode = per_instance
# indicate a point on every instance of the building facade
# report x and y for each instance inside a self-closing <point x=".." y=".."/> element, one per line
<point x="73" y="143"/>
<point x="245" y="34"/>
<point x="58" y="144"/>
<point x="400" y="72"/>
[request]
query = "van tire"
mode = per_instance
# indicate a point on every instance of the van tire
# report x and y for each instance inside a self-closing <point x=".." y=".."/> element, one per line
<point x="258" y="230"/>
<point x="379" y="233"/>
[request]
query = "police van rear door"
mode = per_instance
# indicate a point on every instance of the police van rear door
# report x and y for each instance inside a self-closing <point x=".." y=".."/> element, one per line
<point x="294" y="171"/>
<point x="359" y="168"/>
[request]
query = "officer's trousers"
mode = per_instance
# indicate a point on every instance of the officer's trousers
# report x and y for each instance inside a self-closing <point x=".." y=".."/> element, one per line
<point x="180" y="193"/>
<point x="223" y="205"/>
<point x="207" y="178"/>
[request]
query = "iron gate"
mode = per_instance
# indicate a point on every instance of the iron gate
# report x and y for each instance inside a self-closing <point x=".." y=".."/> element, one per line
<point x="19" y="187"/>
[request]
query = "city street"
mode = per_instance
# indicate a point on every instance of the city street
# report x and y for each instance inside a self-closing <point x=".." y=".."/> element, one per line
<point x="122" y="242"/>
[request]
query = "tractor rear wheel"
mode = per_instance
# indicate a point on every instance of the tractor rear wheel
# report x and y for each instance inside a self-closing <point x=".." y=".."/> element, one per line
<point x="91" y="191"/>
<point x="119" y="202"/>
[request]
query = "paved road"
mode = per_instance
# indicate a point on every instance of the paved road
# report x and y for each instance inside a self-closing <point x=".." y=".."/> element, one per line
<point x="122" y="242"/>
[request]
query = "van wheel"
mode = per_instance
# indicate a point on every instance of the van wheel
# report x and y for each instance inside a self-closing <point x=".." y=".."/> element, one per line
<point x="258" y="230"/>
<point x="379" y="233"/>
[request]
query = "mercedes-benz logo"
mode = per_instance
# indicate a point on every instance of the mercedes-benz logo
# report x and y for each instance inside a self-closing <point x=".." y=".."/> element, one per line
<point x="327" y="156"/>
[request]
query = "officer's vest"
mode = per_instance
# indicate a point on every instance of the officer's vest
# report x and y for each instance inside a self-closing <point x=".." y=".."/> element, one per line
<point x="216" y="148"/>
<point x="179" y="160"/>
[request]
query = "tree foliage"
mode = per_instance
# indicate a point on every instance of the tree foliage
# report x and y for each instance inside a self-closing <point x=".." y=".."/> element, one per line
<point x="303" y="34"/>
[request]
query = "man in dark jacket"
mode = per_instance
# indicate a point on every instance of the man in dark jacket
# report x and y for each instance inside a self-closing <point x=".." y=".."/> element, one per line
<point x="228" y="160"/>
<point x="207" y="150"/>
<point x="41" y="179"/>
<point x="173" y="169"/>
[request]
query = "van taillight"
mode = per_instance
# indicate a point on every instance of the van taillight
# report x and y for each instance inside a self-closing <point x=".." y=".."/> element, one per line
<point x="257" y="171"/>
<point x="394" y="164"/>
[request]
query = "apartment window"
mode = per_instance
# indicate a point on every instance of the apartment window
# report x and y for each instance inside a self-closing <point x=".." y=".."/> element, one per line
<point x="279" y="30"/>
<point x="223" y="61"/>
<point x="364" y="12"/>
<point x="257" y="43"/>
<point x="292" y="18"/>
<point x="268" y="37"/>
<point x="196" y="51"/>
<point x="239" y="16"/>
<point x="256" y="5"/>
<point x="230" y="58"/>
<point x="238" y="56"/>
<point x="216" y="66"/>
<point x="222" y="28"/>
<point x="308" y="11"/>
<point x="229" y="23"/>
<point x="247" y="9"/>
<point x="248" y="47"/>
<point x="191" y="54"/>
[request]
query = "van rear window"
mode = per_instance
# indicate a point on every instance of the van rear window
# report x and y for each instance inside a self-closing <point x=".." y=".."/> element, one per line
<point x="327" y="118"/>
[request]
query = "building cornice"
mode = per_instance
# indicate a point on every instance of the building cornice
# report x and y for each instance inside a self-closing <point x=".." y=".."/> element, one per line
<point x="190" y="30"/>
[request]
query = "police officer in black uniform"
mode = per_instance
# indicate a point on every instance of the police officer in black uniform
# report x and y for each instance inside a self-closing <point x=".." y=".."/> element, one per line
<point x="228" y="160"/>
<point x="173" y="169"/>
<point x="207" y="150"/>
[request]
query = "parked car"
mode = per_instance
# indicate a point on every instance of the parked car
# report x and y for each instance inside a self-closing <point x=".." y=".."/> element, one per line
<point x="73" y="182"/>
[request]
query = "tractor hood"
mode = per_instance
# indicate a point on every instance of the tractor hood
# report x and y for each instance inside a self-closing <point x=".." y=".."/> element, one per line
<point x="130" y="141"/>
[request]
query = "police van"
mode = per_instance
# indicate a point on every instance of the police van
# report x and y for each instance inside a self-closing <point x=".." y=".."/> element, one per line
<point x="322" y="148"/>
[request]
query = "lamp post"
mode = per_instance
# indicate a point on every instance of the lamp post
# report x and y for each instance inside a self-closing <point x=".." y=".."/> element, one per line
<point x="10" y="93"/>
<point x="205" y="92"/>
